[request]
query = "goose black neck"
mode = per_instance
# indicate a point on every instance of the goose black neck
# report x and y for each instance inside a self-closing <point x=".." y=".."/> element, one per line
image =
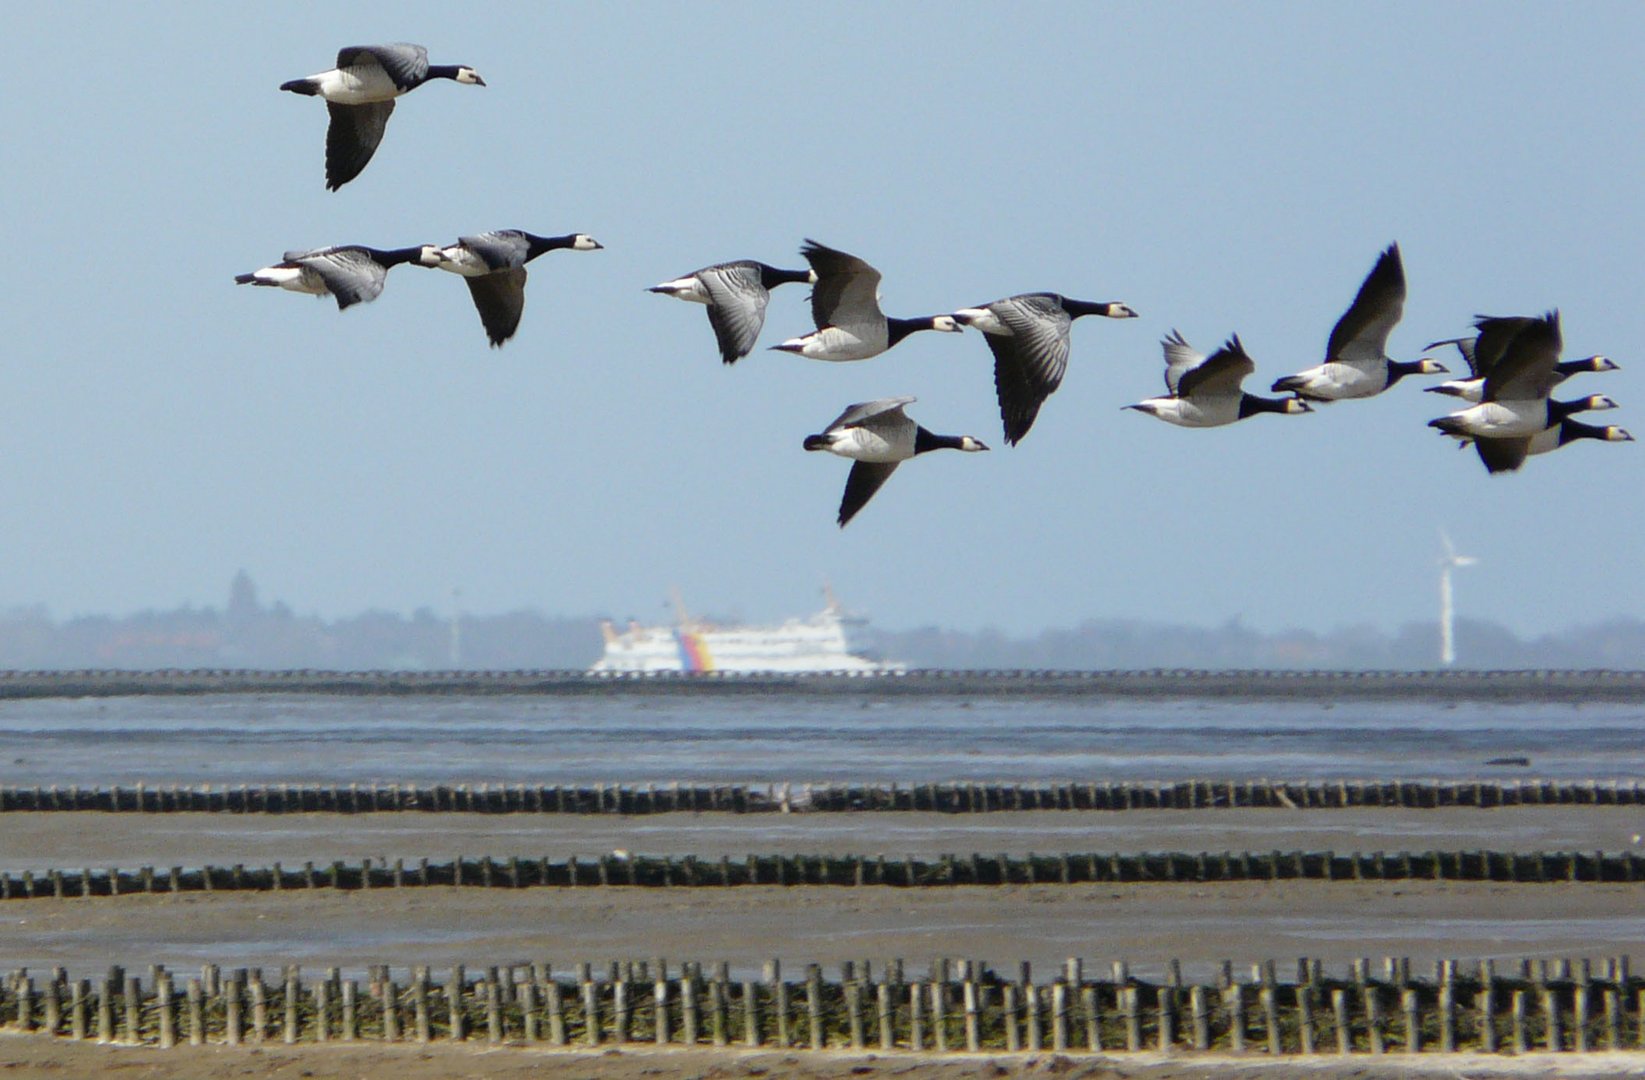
<point x="396" y="256"/>
<point x="924" y="441"/>
<point x="897" y="329"/>
<point x="1398" y="369"/>
<point x="1251" y="404"/>
<point x="771" y="277"/>
<point x="1079" y="308"/>
<point x="1571" y="430"/>
<point x="1559" y="410"/>
<point x="536" y="245"/>
<point x="441" y="71"/>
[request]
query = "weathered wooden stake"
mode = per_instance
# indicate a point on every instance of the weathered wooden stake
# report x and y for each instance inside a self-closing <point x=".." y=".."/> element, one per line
<point x="1550" y="1012"/>
<point x="556" y="1013"/>
<point x="813" y="1004"/>
<point x="1345" y="1033"/>
<point x="231" y="1010"/>
<point x="351" y="1018"/>
<point x="1522" y="1042"/>
<point x="916" y="1016"/>
<point x="168" y="1012"/>
<point x="1413" y="1021"/>
<point x="1267" y="998"/>
<point x="293" y="998"/>
<point x="196" y="1014"/>
<point x="1059" y="1017"/>
<point x="751" y="1013"/>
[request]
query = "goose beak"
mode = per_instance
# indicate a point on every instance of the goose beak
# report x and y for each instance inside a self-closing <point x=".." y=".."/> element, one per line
<point x="477" y="80"/>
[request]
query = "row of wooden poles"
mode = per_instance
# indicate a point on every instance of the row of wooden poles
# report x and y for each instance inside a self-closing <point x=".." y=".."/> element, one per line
<point x="1544" y="1005"/>
<point x="951" y="797"/>
<point x="515" y="872"/>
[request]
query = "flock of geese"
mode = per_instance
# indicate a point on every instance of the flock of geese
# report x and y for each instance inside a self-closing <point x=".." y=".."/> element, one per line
<point x="1513" y="362"/>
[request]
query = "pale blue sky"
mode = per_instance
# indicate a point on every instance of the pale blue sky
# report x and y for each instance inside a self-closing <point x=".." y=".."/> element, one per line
<point x="1219" y="167"/>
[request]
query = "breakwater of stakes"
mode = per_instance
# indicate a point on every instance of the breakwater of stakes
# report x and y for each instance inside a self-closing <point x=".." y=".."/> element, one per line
<point x="960" y="797"/>
<point x="1505" y="686"/>
<point x="1491" y="1007"/>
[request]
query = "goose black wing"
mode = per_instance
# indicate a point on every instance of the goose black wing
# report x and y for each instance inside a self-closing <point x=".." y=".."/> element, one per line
<point x="501" y="249"/>
<point x="1503" y="455"/>
<point x="864" y="410"/>
<point x="1029" y="363"/>
<point x="404" y="63"/>
<point x="351" y="274"/>
<point x="1218" y="374"/>
<point x="1526" y="370"/>
<point x="1361" y="335"/>
<point x="847" y="292"/>
<point x="866" y="478"/>
<point x="737" y="300"/>
<point x="499" y="297"/>
<point x="352" y="138"/>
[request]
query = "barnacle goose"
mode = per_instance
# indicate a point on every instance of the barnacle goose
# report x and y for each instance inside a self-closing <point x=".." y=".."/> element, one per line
<point x="1471" y="388"/>
<point x="1205" y="391"/>
<point x="1514" y="400"/>
<point x="736" y="294"/>
<point x="359" y="93"/>
<point x="352" y="273"/>
<point x="879" y="436"/>
<point x="845" y="306"/>
<point x="1506" y="455"/>
<point x="493" y="264"/>
<point x="1356" y="357"/>
<point x="1029" y="336"/>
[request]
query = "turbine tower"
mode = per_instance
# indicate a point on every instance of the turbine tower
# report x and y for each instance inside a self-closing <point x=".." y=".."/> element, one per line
<point x="1447" y="635"/>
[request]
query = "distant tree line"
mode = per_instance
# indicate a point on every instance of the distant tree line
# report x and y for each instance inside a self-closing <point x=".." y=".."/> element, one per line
<point x="248" y="634"/>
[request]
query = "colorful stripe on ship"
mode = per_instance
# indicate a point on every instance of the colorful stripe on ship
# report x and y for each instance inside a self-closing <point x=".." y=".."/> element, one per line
<point x="694" y="654"/>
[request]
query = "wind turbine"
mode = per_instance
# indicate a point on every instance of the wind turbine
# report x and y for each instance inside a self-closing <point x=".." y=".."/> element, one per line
<point x="1447" y="635"/>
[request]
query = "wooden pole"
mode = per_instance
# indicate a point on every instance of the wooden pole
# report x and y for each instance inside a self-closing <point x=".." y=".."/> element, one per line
<point x="78" y="1004"/>
<point x="351" y="1017"/>
<point x="973" y="1034"/>
<point x="751" y="1013"/>
<point x="231" y="1010"/>
<point x="168" y="1012"/>
<point x="322" y="1010"/>
<point x="556" y="1013"/>
<point x="196" y="1013"/>
<point x="455" y="987"/>
<point x="916" y="1016"/>
<point x="1413" y="1021"/>
<point x="883" y="1003"/>
<point x="813" y="1005"/>
<point x="1093" y="1018"/>
<point x="293" y="997"/>
<point x="1522" y="1043"/>
<point x="1013" y="1029"/>
<point x="1234" y="1001"/>
<point x="1345" y="1033"/>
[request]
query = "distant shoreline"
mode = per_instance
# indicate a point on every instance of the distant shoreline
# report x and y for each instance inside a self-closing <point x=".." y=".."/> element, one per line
<point x="1573" y="686"/>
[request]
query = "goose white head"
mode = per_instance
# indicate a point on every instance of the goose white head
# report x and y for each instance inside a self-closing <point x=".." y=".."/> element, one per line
<point x="584" y="242"/>
<point x="431" y="255"/>
<point x="950" y="325"/>
<point x="1598" y="403"/>
<point x="468" y="75"/>
<point x="1601" y="363"/>
<point x="1296" y="405"/>
<point x="1616" y="434"/>
<point x="971" y="445"/>
<point x="1121" y="311"/>
<point x="1426" y="366"/>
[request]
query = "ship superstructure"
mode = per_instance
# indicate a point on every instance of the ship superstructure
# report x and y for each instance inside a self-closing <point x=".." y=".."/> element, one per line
<point x="829" y="641"/>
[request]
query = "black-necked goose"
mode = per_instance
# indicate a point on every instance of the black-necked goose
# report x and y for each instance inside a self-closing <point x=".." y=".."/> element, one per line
<point x="1514" y="400"/>
<point x="845" y="305"/>
<point x="1506" y="455"/>
<point x="1357" y="364"/>
<point x="1205" y="391"/>
<point x="1029" y="336"/>
<point x="736" y="294"/>
<point x="359" y="93"/>
<point x="352" y="273"/>
<point x="879" y="436"/>
<point x="1473" y="387"/>
<point x="493" y="264"/>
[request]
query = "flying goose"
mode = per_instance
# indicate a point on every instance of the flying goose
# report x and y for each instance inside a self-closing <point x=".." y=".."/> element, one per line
<point x="1506" y="455"/>
<point x="736" y="294"/>
<point x="845" y="305"/>
<point x="493" y="264"/>
<point x="879" y="436"/>
<point x="353" y="273"/>
<point x="1471" y="388"/>
<point x="1205" y="391"/>
<point x="1514" y="400"/>
<point x="1029" y="336"/>
<point x="360" y="92"/>
<point x="1356" y="356"/>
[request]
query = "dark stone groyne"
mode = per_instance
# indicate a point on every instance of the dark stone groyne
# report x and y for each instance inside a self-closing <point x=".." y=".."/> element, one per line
<point x="1497" y="686"/>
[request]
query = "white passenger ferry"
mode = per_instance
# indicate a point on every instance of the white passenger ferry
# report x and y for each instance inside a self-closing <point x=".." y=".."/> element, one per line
<point x="829" y="641"/>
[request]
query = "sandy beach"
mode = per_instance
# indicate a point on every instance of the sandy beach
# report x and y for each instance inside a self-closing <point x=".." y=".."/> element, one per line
<point x="32" y="1058"/>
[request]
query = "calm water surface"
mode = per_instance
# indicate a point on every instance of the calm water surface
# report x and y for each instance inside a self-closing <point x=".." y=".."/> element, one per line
<point x="234" y="739"/>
